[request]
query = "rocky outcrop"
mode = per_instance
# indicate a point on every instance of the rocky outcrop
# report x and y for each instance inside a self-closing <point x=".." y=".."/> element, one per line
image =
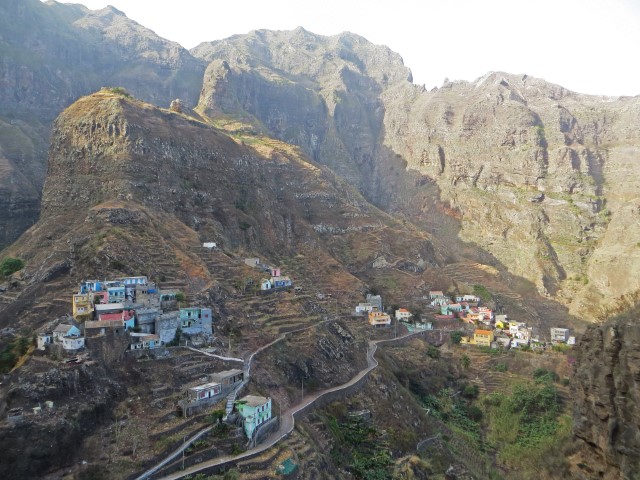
<point x="607" y="397"/>
<point x="54" y="53"/>
<point x="462" y="161"/>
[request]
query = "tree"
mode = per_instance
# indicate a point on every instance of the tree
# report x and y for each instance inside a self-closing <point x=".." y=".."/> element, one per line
<point x="10" y="265"/>
<point x="456" y="336"/>
<point x="466" y="361"/>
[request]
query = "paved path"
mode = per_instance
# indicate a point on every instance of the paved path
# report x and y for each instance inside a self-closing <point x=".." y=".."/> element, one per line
<point x="228" y="359"/>
<point x="247" y="369"/>
<point x="287" y="421"/>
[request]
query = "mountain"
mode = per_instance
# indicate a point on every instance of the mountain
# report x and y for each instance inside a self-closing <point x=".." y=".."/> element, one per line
<point x="518" y="161"/>
<point x="54" y="53"/>
<point x="318" y="154"/>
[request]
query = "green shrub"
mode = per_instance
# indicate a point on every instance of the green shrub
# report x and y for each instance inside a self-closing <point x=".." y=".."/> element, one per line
<point x="456" y="336"/>
<point x="433" y="352"/>
<point x="10" y="265"/>
<point x="119" y="91"/>
<point x="500" y="367"/>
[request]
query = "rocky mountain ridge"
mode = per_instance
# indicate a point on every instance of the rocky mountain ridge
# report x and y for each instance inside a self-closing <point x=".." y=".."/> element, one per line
<point x="52" y="54"/>
<point x="517" y="160"/>
<point x="505" y="160"/>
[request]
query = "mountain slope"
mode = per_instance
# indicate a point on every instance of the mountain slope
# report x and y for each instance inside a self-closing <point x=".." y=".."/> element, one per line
<point x="512" y="160"/>
<point x="53" y="53"/>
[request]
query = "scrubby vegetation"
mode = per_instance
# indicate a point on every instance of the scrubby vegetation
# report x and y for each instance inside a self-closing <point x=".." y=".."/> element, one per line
<point x="11" y="353"/>
<point x="359" y="447"/>
<point x="10" y="265"/>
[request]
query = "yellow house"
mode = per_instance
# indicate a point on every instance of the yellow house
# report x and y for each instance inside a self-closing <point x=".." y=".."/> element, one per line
<point x="82" y="306"/>
<point x="379" y="318"/>
<point x="483" y="338"/>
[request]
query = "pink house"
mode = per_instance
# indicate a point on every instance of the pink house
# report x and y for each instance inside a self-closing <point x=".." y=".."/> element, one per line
<point x="275" y="271"/>
<point x="122" y="316"/>
<point x="101" y="297"/>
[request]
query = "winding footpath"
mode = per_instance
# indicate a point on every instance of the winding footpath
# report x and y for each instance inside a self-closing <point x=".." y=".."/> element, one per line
<point x="287" y="420"/>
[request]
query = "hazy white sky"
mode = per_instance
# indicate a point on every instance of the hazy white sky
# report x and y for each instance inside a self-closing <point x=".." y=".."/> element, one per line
<point x="589" y="46"/>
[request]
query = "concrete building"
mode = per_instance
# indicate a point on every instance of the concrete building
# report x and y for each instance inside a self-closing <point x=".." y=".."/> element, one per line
<point x="379" y="318"/>
<point x="255" y="411"/>
<point x="376" y="301"/>
<point x="559" y="335"/>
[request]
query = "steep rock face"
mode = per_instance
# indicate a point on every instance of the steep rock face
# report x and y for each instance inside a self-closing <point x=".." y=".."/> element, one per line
<point x="127" y="181"/>
<point x="21" y="149"/>
<point x="516" y="161"/>
<point x="607" y="396"/>
<point x="107" y="147"/>
<point x="51" y="55"/>
<point x="321" y="93"/>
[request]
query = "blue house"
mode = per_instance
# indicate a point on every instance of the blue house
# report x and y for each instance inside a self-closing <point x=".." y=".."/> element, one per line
<point x="281" y="282"/>
<point x="141" y="280"/>
<point x="116" y="291"/>
<point x="90" y="286"/>
<point x="192" y="316"/>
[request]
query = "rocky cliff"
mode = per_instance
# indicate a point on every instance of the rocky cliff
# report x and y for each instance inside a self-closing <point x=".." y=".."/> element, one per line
<point x="135" y="187"/>
<point x="53" y="53"/>
<point x="607" y="400"/>
<point x="515" y="160"/>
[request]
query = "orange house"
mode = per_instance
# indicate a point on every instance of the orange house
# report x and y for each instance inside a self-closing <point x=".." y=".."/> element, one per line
<point x="483" y="338"/>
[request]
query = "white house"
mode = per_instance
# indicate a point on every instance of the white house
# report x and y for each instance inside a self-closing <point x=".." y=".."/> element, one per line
<point x="44" y="339"/>
<point x="252" y="262"/>
<point x="65" y="330"/>
<point x="72" y="343"/>
<point x="403" y="314"/>
<point x="265" y="284"/>
<point x="559" y="335"/>
<point x="364" y="308"/>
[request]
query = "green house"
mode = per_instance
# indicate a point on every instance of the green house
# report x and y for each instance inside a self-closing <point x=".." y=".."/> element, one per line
<point x="255" y="411"/>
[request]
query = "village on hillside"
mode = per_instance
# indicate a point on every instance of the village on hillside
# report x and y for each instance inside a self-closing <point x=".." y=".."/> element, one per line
<point x="149" y="320"/>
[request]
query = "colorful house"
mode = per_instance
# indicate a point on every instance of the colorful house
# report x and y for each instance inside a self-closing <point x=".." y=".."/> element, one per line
<point x="166" y="295"/>
<point x="82" y="306"/>
<point x="379" y="318"/>
<point x="192" y="316"/>
<point x="502" y="322"/>
<point x="117" y="291"/>
<point x="433" y="294"/>
<point x="255" y="411"/>
<point x="280" y="282"/>
<point x="65" y="330"/>
<point x="483" y="338"/>
<point x="196" y="321"/>
<point x="141" y="280"/>
<point x="265" y="284"/>
<point x="90" y="286"/>
<point x="274" y="271"/>
<point x="101" y="297"/>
